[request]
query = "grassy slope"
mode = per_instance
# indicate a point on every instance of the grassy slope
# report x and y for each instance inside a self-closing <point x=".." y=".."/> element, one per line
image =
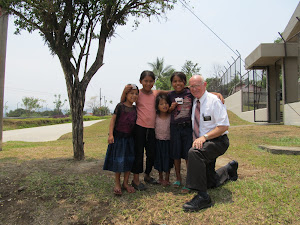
<point x="61" y="190"/>
<point x="12" y="124"/>
<point x="235" y="120"/>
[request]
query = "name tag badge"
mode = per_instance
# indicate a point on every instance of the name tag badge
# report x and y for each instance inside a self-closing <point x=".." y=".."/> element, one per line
<point x="179" y="100"/>
<point x="206" y="118"/>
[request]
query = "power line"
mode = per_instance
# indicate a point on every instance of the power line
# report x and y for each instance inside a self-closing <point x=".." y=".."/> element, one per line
<point x="185" y="5"/>
<point x="208" y="27"/>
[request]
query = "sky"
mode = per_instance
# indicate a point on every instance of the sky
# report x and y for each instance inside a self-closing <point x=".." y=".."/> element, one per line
<point x="31" y="71"/>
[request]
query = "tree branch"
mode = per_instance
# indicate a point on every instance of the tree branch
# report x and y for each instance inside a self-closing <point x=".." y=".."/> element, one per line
<point x="82" y="49"/>
<point x="88" y="48"/>
<point x="77" y="31"/>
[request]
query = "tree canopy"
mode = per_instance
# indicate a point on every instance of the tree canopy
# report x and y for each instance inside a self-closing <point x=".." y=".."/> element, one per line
<point x="31" y="103"/>
<point x="190" y="69"/>
<point x="163" y="73"/>
<point x="68" y="28"/>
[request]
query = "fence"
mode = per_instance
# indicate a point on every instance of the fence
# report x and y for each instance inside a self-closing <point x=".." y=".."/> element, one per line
<point x="252" y="84"/>
<point x="254" y="90"/>
<point x="231" y="79"/>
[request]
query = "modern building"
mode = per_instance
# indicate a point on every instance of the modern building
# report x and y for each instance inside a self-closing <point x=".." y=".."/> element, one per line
<point x="278" y="59"/>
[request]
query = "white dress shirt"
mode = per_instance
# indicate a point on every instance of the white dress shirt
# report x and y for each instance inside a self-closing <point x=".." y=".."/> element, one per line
<point x="213" y="113"/>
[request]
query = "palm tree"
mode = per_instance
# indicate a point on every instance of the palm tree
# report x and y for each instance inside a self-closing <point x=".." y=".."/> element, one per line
<point x="162" y="74"/>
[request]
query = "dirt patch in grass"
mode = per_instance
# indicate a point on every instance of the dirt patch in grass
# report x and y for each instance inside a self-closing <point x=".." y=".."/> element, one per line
<point x="23" y="203"/>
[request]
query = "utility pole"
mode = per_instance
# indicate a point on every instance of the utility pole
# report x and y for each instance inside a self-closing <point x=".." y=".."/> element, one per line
<point x="100" y="97"/>
<point x="105" y="106"/>
<point x="3" y="40"/>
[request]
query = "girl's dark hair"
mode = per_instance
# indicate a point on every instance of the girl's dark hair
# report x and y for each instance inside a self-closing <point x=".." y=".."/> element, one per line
<point x="158" y="98"/>
<point x="147" y="73"/>
<point x="181" y="75"/>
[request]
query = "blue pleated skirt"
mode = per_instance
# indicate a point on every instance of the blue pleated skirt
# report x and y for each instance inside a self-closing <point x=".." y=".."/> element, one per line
<point x="120" y="155"/>
<point x="163" y="161"/>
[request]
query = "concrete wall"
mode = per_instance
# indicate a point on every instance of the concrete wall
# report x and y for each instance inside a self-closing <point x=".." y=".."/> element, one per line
<point x="290" y="72"/>
<point x="234" y="104"/>
<point x="290" y="117"/>
<point x="274" y="93"/>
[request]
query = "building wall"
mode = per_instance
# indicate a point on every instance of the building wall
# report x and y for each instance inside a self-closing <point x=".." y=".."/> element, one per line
<point x="290" y="117"/>
<point x="274" y="93"/>
<point x="234" y="104"/>
<point x="290" y="72"/>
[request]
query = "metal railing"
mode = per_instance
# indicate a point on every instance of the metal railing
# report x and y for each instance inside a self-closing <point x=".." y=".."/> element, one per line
<point x="254" y="90"/>
<point x="252" y="84"/>
<point x="231" y="78"/>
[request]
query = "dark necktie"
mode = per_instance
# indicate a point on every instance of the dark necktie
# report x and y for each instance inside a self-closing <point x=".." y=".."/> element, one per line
<point x="196" y="121"/>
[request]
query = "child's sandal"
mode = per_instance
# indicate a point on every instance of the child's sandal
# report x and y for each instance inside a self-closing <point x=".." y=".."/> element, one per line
<point x="176" y="184"/>
<point x="160" y="182"/>
<point x="129" y="188"/>
<point x="166" y="183"/>
<point x="117" y="191"/>
<point x="185" y="190"/>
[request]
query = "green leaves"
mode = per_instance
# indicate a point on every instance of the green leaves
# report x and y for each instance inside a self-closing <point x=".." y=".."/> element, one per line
<point x="163" y="73"/>
<point x="66" y="25"/>
<point x="31" y="103"/>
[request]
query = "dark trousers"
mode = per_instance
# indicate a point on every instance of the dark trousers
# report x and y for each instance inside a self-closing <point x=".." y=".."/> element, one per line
<point x="144" y="138"/>
<point x="201" y="173"/>
<point x="181" y="140"/>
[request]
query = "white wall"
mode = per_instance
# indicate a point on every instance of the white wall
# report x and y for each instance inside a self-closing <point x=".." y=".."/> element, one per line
<point x="290" y="117"/>
<point x="234" y="104"/>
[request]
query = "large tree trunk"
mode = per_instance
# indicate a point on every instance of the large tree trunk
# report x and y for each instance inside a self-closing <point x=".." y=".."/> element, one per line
<point x="77" y="123"/>
<point x="76" y="93"/>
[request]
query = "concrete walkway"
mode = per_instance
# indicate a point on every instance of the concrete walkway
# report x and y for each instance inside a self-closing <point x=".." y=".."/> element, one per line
<point x="41" y="134"/>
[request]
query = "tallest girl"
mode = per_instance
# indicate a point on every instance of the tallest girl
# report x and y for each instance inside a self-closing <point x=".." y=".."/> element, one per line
<point x="144" y="129"/>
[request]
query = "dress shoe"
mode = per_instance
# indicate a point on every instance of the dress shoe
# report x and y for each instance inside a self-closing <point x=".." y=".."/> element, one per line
<point x="197" y="203"/>
<point x="232" y="168"/>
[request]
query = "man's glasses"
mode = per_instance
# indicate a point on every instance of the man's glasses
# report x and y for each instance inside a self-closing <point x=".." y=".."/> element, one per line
<point x="196" y="86"/>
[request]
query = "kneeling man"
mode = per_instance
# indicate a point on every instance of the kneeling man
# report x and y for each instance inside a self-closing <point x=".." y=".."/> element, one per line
<point x="210" y="127"/>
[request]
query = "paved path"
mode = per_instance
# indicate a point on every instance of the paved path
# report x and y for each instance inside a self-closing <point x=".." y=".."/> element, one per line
<point x="40" y="134"/>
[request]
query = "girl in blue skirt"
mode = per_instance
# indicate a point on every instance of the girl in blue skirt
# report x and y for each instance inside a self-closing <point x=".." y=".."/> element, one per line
<point x="120" y="151"/>
<point x="163" y="161"/>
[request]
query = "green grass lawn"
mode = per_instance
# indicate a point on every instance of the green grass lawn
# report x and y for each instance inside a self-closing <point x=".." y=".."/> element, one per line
<point x="12" y="124"/>
<point x="40" y="183"/>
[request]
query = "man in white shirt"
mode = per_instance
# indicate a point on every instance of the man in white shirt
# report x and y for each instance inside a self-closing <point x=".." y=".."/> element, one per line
<point x="210" y="127"/>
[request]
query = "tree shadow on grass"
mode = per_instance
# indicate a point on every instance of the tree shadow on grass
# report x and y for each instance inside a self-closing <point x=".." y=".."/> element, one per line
<point x="43" y="190"/>
<point x="66" y="191"/>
